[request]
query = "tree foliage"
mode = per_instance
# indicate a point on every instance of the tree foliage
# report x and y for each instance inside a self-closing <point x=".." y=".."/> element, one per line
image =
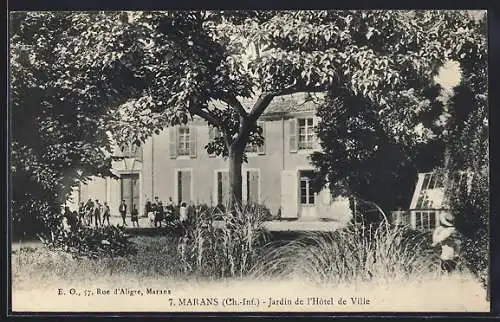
<point x="468" y="142"/>
<point x="369" y="144"/>
<point x="58" y="129"/>
<point x="359" y="157"/>
<point x="143" y="71"/>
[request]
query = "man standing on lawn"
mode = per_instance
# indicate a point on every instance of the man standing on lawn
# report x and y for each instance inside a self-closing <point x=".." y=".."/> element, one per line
<point x="81" y="213"/>
<point x="123" y="211"/>
<point x="445" y="235"/>
<point x="89" y="208"/>
<point x="135" y="216"/>
<point x="106" y="213"/>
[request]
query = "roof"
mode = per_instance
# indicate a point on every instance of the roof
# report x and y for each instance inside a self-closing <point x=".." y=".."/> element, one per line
<point x="294" y="103"/>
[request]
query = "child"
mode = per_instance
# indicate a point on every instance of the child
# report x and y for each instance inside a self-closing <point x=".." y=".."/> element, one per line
<point x="183" y="212"/>
<point x="135" y="216"/>
<point x="446" y="236"/>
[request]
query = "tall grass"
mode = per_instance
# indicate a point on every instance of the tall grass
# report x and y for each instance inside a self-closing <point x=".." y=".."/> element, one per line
<point x="226" y="251"/>
<point x="355" y="253"/>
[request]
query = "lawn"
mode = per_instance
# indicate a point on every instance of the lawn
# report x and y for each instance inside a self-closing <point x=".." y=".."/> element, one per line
<point x="39" y="275"/>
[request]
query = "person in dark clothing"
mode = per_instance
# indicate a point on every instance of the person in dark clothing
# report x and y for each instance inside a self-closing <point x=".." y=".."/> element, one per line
<point x="89" y="209"/>
<point x="97" y="213"/>
<point x="123" y="211"/>
<point x="81" y="213"/>
<point x="135" y="216"/>
<point x="106" y="213"/>
<point x="159" y="214"/>
<point x="147" y="208"/>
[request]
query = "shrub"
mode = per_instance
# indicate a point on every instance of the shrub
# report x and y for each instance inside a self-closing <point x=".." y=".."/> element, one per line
<point x="105" y="241"/>
<point x="471" y="210"/>
<point x="357" y="252"/>
<point x="227" y="251"/>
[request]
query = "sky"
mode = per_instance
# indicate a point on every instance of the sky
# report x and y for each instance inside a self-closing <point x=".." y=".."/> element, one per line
<point x="449" y="75"/>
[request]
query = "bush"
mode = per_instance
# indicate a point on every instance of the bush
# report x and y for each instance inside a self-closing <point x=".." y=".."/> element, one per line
<point x="227" y="251"/>
<point x="471" y="211"/>
<point x="356" y="252"/>
<point x="106" y="241"/>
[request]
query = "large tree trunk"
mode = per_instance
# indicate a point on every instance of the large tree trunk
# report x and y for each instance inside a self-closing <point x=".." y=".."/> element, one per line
<point x="235" y="177"/>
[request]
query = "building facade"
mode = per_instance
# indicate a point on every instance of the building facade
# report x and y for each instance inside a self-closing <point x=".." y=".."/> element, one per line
<point x="175" y="164"/>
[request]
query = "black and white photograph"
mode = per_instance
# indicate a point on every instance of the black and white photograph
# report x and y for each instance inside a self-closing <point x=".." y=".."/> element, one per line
<point x="249" y="161"/>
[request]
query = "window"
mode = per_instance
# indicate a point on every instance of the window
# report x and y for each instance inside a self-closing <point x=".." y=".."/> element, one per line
<point x="250" y="186"/>
<point x="425" y="220"/>
<point x="306" y="191"/>
<point x="431" y="181"/>
<point x="132" y="151"/>
<point x="213" y="133"/>
<point x="252" y="183"/>
<point x="253" y="148"/>
<point x="222" y="196"/>
<point x="302" y="134"/>
<point x="184" y="186"/>
<point x="184" y="141"/>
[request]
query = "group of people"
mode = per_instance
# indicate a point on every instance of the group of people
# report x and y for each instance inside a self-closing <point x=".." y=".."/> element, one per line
<point x="94" y="213"/>
<point x="157" y="212"/>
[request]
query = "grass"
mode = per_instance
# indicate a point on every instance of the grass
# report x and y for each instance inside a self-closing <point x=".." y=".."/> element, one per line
<point x="390" y="266"/>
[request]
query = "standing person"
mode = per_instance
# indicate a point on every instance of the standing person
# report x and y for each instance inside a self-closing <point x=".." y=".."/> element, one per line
<point x="97" y="213"/>
<point x="147" y="208"/>
<point x="135" y="216"/>
<point x="89" y="212"/>
<point x="106" y="213"/>
<point x="183" y="217"/>
<point x="159" y="214"/>
<point x="89" y="208"/>
<point x="445" y="235"/>
<point x="169" y="207"/>
<point x="81" y="213"/>
<point x="123" y="211"/>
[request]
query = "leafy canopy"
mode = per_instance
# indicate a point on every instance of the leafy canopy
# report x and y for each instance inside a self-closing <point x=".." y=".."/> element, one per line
<point x="176" y="64"/>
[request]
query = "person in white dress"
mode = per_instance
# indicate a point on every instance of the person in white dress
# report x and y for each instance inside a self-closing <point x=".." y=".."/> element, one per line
<point x="446" y="236"/>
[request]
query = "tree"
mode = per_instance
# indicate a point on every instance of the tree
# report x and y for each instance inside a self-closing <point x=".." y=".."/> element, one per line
<point x="177" y="63"/>
<point x="58" y="129"/>
<point x="367" y="162"/>
<point x="469" y="151"/>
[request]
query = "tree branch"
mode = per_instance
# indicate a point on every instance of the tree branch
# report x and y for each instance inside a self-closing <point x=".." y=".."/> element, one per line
<point x="206" y="115"/>
<point x="235" y="103"/>
<point x="260" y="106"/>
<point x="265" y="98"/>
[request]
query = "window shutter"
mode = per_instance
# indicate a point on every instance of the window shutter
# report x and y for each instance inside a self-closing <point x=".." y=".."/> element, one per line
<point x="212" y="134"/>
<point x="137" y="152"/>
<point x="316" y="143"/>
<point x="192" y="143"/>
<point x="289" y="194"/>
<point x="186" y="186"/>
<point x="262" y="149"/>
<point x="293" y="135"/>
<point x="117" y="152"/>
<point x="173" y="142"/>
<point x="225" y="188"/>
<point x="253" y="186"/>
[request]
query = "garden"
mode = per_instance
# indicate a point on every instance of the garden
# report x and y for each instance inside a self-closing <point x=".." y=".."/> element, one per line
<point x="373" y="260"/>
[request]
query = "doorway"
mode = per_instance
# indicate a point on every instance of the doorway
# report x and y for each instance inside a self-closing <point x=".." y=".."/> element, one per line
<point x="130" y="190"/>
